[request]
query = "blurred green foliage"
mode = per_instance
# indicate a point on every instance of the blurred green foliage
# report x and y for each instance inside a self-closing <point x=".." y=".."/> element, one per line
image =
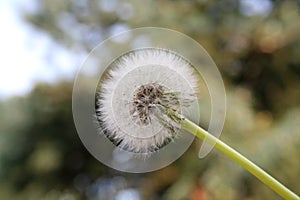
<point x="41" y="156"/>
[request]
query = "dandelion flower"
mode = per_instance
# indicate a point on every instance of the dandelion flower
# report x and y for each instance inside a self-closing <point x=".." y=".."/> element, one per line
<point x="137" y="100"/>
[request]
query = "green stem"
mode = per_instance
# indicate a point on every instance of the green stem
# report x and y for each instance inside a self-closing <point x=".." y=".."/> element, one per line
<point x="240" y="159"/>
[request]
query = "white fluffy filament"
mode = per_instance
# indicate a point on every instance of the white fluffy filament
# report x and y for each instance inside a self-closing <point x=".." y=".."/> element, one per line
<point x="135" y="103"/>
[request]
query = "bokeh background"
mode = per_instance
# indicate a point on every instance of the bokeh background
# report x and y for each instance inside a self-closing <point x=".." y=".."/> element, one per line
<point x="255" y="44"/>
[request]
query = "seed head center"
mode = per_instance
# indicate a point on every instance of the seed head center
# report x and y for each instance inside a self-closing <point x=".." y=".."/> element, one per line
<point x="145" y="101"/>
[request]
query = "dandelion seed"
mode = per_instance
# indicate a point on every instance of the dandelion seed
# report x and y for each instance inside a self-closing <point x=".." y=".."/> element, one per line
<point x="137" y="102"/>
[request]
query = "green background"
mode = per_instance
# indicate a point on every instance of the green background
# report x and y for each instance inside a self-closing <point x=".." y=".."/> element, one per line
<point x="258" y="55"/>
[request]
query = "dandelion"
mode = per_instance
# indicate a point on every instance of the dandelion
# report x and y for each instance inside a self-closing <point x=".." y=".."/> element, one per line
<point x="141" y="107"/>
<point x="137" y="101"/>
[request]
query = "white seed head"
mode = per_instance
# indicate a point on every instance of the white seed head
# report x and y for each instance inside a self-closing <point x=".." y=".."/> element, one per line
<point x="136" y="102"/>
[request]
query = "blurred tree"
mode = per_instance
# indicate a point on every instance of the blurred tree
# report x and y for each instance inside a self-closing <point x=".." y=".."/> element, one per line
<point x="253" y="45"/>
<point x="41" y="150"/>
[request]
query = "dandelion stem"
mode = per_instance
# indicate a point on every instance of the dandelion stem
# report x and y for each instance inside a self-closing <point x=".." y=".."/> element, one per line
<point x="240" y="159"/>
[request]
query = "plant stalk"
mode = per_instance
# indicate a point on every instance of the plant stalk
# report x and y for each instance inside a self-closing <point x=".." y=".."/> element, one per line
<point x="240" y="159"/>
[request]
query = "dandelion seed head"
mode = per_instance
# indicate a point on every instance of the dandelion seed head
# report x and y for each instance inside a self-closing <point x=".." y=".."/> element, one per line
<point x="137" y="100"/>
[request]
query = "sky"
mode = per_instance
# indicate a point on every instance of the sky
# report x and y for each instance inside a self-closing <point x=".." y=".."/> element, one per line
<point x="25" y="58"/>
